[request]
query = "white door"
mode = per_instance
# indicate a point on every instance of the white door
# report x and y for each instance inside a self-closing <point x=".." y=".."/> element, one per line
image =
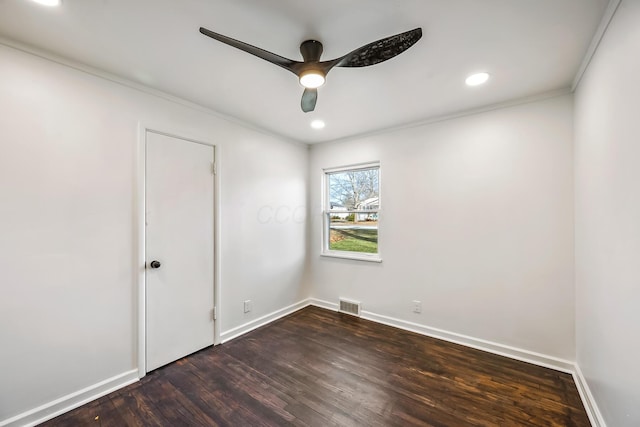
<point x="179" y="201"/>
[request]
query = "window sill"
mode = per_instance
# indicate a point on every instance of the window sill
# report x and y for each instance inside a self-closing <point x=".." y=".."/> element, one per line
<point x="353" y="256"/>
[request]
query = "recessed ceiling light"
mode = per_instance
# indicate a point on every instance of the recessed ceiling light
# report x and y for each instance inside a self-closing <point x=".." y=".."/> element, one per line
<point x="48" y="2"/>
<point x="477" y="79"/>
<point x="317" y="124"/>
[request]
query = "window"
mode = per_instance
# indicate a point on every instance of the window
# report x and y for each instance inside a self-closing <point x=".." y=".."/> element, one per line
<point x="351" y="212"/>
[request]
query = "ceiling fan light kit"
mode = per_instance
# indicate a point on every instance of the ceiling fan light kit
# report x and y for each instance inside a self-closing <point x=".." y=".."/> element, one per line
<point x="312" y="79"/>
<point x="312" y="72"/>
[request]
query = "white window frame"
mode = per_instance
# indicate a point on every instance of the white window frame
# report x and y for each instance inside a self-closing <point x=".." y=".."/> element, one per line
<point x="358" y="256"/>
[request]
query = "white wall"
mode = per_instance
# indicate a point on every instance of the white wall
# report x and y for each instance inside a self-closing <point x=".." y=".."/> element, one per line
<point x="477" y="223"/>
<point x="67" y="180"/>
<point x="607" y="166"/>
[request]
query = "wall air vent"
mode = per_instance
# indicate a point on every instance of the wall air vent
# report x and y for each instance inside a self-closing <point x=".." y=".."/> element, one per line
<point x="349" y="307"/>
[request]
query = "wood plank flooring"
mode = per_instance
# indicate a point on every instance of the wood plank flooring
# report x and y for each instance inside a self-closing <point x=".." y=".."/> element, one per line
<point x="320" y="368"/>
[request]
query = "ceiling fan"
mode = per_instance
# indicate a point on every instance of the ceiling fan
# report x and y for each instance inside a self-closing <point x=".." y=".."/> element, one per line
<point x="312" y="72"/>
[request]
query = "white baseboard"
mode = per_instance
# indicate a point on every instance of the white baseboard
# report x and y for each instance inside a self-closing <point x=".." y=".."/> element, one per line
<point x="546" y="361"/>
<point x="79" y="398"/>
<point x="477" y="343"/>
<point x="595" y="416"/>
<point x="71" y="401"/>
<point x="261" y="321"/>
<point x="324" y="304"/>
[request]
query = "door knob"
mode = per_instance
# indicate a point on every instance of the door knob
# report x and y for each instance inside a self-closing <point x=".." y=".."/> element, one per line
<point x="155" y="264"/>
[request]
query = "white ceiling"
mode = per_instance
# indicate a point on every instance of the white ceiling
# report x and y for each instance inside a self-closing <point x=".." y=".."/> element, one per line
<point x="528" y="46"/>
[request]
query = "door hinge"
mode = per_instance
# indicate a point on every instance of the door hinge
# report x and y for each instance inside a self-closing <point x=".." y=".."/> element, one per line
<point x="214" y="169"/>
<point x="214" y="314"/>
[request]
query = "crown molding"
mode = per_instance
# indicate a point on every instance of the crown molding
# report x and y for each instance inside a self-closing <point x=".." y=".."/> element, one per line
<point x="114" y="78"/>
<point x="609" y="13"/>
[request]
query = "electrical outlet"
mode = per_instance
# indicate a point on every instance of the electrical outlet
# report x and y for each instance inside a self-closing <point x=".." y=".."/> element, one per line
<point x="247" y="306"/>
<point x="417" y="307"/>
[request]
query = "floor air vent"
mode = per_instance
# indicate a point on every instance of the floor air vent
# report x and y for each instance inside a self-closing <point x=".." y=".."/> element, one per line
<point x="349" y="307"/>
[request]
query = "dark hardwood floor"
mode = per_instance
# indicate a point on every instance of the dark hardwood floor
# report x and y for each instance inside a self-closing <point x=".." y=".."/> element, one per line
<point x="320" y="368"/>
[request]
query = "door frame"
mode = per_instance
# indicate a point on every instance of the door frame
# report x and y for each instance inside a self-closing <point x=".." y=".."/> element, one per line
<point x="140" y="231"/>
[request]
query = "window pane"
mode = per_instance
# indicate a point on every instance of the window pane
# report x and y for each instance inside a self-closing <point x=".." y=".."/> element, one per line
<point x="354" y="189"/>
<point x="354" y="232"/>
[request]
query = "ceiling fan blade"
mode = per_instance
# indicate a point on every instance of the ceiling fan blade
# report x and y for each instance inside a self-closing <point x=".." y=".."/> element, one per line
<point x="309" y="98"/>
<point x="278" y="60"/>
<point x="379" y="51"/>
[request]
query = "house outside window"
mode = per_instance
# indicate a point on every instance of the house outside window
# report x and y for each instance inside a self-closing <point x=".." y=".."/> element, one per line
<point x="351" y="212"/>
